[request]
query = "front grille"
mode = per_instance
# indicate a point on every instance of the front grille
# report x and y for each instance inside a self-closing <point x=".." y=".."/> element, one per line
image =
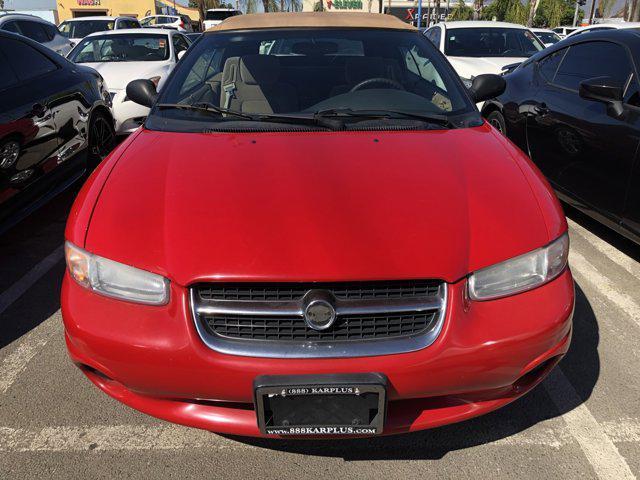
<point x="341" y="290"/>
<point x="346" y="328"/>
<point x="281" y="319"/>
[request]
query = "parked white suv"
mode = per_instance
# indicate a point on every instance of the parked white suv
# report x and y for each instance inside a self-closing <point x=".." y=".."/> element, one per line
<point x="214" y="16"/>
<point x="78" y="28"/>
<point x="476" y="47"/>
<point x="182" y="23"/>
<point x="36" y="29"/>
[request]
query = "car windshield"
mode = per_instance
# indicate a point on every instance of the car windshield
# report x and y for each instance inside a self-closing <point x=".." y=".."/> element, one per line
<point x="219" y="15"/>
<point x="548" y="37"/>
<point x="491" y="42"/>
<point x="300" y="72"/>
<point x="82" y="28"/>
<point x="137" y="47"/>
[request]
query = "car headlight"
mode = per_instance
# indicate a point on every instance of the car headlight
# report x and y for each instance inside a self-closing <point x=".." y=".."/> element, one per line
<point x="114" y="279"/>
<point x="521" y="273"/>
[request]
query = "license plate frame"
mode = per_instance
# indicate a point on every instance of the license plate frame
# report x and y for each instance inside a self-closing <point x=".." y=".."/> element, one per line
<point x="325" y="398"/>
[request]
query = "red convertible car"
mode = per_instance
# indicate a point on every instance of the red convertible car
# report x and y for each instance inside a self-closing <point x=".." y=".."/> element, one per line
<point x="315" y="234"/>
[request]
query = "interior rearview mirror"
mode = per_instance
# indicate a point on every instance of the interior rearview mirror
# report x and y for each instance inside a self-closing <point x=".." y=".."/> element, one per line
<point x="487" y="86"/>
<point x="607" y="90"/>
<point x="142" y="92"/>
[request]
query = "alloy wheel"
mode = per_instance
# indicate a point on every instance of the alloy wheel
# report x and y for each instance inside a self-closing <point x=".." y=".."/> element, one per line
<point x="9" y="153"/>
<point x="101" y="137"/>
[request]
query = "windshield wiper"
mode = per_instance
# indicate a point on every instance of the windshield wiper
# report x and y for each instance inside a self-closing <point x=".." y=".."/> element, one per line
<point x="442" y="120"/>
<point x="205" y="107"/>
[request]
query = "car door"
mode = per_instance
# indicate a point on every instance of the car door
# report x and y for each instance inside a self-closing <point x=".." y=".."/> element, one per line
<point x="27" y="124"/>
<point x="586" y="153"/>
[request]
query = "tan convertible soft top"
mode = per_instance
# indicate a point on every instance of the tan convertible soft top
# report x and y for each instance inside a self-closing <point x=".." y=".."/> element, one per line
<point x="311" y="19"/>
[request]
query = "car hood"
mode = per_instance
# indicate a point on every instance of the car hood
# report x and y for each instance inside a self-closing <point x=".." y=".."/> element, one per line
<point x="468" y="67"/>
<point x="316" y="206"/>
<point x="118" y="74"/>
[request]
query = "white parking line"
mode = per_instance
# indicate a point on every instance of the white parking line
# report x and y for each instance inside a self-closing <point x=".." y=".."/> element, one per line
<point x="588" y="272"/>
<point x="599" y="449"/>
<point x="609" y="251"/>
<point x="15" y="291"/>
<point x="27" y="348"/>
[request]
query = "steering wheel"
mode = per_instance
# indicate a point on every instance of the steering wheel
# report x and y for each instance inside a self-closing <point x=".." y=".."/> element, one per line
<point x="372" y="81"/>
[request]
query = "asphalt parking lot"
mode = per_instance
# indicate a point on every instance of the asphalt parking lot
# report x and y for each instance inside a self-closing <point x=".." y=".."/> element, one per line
<point x="582" y="422"/>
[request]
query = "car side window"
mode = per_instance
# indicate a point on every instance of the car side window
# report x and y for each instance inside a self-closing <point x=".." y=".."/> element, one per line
<point x="179" y="44"/>
<point x="12" y="27"/>
<point x="7" y="76"/>
<point x="548" y="66"/>
<point x="26" y="61"/>
<point x="591" y="60"/>
<point x="33" y="30"/>
<point x="50" y="30"/>
<point x="437" y="34"/>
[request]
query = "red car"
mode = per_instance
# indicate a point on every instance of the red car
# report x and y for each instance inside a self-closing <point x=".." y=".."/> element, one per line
<point x="315" y="233"/>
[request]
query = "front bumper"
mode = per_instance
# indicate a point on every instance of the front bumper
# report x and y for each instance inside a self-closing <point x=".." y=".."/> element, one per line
<point x="152" y="359"/>
<point x="128" y="115"/>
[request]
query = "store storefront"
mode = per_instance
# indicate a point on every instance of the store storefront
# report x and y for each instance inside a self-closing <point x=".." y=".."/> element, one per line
<point x="134" y="8"/>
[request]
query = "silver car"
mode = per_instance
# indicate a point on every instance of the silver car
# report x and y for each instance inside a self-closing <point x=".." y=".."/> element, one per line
<point x="37" y="29"/>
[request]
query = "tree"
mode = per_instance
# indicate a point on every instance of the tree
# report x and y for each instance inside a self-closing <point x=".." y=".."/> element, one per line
<point x="533" y="7"/>
<point x="553" y="13"/>
<point x="605" y="7"/>
<point x="461" y="12"/>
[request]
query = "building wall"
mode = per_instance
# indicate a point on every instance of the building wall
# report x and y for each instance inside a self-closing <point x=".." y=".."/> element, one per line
<point x="137" y="8"/>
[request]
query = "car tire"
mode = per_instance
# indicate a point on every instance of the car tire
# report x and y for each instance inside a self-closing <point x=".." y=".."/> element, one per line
<point x="496" y="119"/>
<point x="102" y="137"/>
<point x="9" y="152"/>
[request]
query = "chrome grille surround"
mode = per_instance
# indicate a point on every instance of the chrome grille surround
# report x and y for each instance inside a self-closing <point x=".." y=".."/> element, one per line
<point x="271" y="309"/>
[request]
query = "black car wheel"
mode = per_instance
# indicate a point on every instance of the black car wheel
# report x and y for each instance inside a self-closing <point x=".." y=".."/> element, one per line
<point x="496" y="119"/>
<point x="102" y="137"/>
<point x="9" y="152"/>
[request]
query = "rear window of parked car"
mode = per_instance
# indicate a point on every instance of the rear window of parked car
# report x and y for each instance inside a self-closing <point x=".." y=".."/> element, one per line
<point x="82" y="28"/>
<point x="568" y="67"/>
<point x="37" y="31"/>
<point x="121" y="48"/>
<point x="26" y="61"/>
<point x="491" y="42"/>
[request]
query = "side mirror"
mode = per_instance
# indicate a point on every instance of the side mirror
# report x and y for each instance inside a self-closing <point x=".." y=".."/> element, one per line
<point x="181" y="54"/>
<point x="142" y="92"/>
<point x="607" y="90"/>
<point x="487" y="86"/>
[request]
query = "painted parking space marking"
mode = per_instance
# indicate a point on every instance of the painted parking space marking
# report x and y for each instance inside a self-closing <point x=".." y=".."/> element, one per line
<point x="15" y="291"/>
<point x="608" y="250"/>
<point x="596" y="445"/>
<point x="28" y="347"/>
<point x="603" y="285"/>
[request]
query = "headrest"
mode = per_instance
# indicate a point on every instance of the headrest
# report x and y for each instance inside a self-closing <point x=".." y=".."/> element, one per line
<point x="358" y="69"/>
<point x="260" y="70"/>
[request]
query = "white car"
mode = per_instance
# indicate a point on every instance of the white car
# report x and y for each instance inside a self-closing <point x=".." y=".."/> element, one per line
<point x="214" y="16"/>
<point x="546" y="36"/>
<point x="603" y="26"/>
<point x="564" y="31"/>
<point x="78" y="28"/>
<point x="36" y="29"/>
<point x="477" y="47"/>
<point x="124" y="55"/>
<point x="182" y="23"/>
